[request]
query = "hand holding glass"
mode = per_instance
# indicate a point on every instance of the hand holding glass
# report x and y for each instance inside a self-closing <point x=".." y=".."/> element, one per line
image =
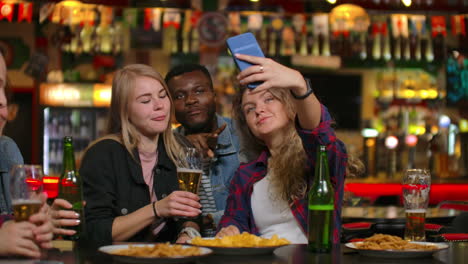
<point x="25" y="190"/>
<point x="190" y="170"/>
<point x="416" y="187"/>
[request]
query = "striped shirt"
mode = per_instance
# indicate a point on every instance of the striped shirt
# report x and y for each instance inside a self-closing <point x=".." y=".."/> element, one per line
<point x="207" y="199"/>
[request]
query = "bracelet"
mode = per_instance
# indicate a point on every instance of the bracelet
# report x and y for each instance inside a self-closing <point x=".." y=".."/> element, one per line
<point x="309" y="91"/>
<point x="154" y="209"/>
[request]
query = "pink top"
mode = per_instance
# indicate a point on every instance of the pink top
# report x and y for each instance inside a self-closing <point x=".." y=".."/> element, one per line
<point x="148" y="161"/>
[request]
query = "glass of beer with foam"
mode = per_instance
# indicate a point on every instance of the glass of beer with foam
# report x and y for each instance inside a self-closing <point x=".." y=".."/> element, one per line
<point x="416" y="187"/>
<point x="190" y="170"/>
<point x="25" y="190"/>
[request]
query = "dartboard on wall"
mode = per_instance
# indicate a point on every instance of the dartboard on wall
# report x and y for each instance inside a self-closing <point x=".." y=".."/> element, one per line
<point x="212" y="29"/>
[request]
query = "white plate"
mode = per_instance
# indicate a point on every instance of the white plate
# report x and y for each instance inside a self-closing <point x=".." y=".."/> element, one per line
<point x="389" y="253"/>
<point x="240" y="250"/>
<point x="159" y="260"/>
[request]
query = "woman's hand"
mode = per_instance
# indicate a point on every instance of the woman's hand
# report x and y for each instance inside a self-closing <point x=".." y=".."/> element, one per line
<point x="43" y="229"/>
<point x="228" y="231"/>
<point x="272" y="74"/>
<point x="18" y="239"/>
<point x="182" y="239"/>
<point x="179" y="203"/>
<point x="63" y="218"/>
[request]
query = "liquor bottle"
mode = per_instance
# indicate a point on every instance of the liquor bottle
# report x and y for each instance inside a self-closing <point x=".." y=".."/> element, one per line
<point x="321" y="205"/>
<point x="70" y="188"/>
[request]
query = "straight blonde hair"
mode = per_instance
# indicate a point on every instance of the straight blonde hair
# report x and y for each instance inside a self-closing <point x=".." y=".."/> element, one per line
<point x="120" y="128"/>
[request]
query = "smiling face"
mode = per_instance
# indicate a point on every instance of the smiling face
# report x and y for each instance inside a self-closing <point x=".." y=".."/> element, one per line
<point x="194" y="101"/>
<point x="265" y="115"/>
<point x="149" y="107"/>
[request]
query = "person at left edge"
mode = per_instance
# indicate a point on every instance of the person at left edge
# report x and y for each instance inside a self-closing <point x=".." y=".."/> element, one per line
<point x="129" y="176"/>
<point x="10" y="155"/>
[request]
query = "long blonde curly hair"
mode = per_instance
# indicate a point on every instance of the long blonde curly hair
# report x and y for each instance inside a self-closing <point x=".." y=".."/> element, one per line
<point x="287" y="162"/>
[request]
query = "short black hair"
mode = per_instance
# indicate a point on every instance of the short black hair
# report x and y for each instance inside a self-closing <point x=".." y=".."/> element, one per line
<point x="186" y="68"/>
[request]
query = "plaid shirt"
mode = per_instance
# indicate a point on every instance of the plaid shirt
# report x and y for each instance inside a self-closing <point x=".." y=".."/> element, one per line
<point x="239" y="210"/>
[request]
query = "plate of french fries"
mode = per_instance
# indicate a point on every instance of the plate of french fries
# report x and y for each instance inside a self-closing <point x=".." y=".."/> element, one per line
<point x="242" y="244"/>
<point x="388" y="246"/>
<point x="160" y="253"/>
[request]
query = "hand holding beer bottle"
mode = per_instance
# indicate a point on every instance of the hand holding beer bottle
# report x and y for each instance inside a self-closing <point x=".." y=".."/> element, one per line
<point x="70" y="188"/>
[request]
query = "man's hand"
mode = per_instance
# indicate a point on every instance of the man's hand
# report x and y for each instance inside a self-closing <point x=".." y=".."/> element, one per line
<point x="228" y="231"/>
<point x="206" y="142"/>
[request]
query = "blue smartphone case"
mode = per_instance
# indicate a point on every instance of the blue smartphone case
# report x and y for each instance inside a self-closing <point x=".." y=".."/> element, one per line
<point x="248" y="45"/>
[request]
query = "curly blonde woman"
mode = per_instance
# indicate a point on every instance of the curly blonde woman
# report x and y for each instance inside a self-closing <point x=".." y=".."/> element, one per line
<point x="283" y="123"/>
<point x="129" y="176"/>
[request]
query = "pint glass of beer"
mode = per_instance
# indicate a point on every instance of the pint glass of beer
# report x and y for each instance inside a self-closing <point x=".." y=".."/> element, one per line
<point x="189" y="171"/>
<point x="416" y="187"/>
<point x="25" y="190"/>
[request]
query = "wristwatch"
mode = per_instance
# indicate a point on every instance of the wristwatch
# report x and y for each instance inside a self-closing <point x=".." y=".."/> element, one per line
<point x="190" y="231"/>
<point x="309" y="91"/>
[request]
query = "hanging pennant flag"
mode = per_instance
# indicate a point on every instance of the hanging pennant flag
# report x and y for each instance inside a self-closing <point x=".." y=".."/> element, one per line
<point x="234" y="22"/>
<point x="107" y="15"/>
<point x="6" y="11"/>
<point x="255" y="22"/>
<point x="25" y="12"/>
<point x="321" y="33"/>
<point x="417" y="24"/>
<point x="45" y="11"/>
<point x="148" y="18"/>
<point x="56" y="14"/>
<point x="320" y="23"/>
<point x="458" y="25"/>
<point x="438" y="26"/>
<point x="66" y="15"/>
<point x="89" y="17"/>
<point x="298" y="22"/>
<point x="130" y="16"/>
<point x="400" y="25"/>
<point x="171" y="18"/>
<point x="156" y="19"/>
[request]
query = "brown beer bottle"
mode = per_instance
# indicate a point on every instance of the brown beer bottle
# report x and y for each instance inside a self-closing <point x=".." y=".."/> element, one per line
<point x="70" y="187"/>
<point x="321" y="206"/>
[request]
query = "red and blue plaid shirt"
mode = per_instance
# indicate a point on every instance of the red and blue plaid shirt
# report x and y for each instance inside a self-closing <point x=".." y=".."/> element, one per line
<point x="239" y="210"/>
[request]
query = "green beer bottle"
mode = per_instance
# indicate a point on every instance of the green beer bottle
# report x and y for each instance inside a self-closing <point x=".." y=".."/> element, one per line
<point x="321" y="205"/>
<point x="70" y="186"/>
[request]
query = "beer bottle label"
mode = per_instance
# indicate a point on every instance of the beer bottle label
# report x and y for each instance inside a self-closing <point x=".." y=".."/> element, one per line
<point x="327" y="207"/>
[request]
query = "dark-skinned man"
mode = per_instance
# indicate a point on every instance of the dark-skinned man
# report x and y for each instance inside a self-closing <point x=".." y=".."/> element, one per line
<point x="194" y="98"/>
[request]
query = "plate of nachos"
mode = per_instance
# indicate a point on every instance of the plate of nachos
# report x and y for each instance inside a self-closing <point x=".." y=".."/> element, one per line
<point x="242" y="244"/>
<point x="388" y="246"/>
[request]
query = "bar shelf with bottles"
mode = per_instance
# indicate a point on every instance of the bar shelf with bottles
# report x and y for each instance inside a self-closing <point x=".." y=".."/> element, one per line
<point x="415" y="136"/>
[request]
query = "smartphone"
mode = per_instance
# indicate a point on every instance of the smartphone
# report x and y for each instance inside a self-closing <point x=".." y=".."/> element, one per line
<point x="244" y="44"/>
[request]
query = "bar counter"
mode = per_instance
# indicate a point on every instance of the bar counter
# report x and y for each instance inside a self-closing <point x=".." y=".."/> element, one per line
<point x="293" y="254"/>
<point x="439" y="191"/>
